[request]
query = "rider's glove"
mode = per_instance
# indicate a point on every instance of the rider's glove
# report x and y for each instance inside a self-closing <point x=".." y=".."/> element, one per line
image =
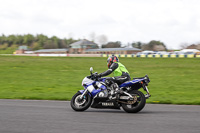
<point x="97" y="75"/>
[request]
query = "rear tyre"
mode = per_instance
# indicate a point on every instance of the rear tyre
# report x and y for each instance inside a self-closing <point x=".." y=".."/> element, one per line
<point x="138" y="105"/>
<point x="78" y="104"/>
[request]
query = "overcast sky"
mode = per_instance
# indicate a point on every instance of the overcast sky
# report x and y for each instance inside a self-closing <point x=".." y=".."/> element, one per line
<point x="171" y="21"/>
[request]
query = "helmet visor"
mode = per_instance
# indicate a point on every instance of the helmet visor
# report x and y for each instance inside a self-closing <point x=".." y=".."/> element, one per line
<point x="109" y="62"/>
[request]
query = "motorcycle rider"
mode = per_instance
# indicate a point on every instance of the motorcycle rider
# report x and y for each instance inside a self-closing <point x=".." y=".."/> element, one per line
<point x="120" y="72"/>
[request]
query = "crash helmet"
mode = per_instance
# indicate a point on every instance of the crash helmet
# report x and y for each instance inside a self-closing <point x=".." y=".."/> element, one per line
<point x="112" y="59"/>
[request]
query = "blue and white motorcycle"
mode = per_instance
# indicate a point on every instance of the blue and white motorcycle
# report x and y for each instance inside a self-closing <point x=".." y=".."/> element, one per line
<point x="98" y="94"/>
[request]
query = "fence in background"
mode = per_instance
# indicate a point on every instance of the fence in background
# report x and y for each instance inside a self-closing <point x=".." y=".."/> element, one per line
<point x="154" y="56"/>
<point x="107" y="55"/>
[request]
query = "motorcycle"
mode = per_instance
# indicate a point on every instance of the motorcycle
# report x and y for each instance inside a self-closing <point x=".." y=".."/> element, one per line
<point x="98" y="93"/>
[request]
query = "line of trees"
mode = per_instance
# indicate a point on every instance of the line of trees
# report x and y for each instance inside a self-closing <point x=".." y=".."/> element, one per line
<point x="152" y="45"/>
<point x="39" y="41"/>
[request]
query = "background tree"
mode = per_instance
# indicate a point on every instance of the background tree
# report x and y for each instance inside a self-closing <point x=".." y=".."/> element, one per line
<point x="34" y="42"/>
<point x="28" y="39"/>
<point x="50" y="44"/>
<point x="154" y="46"/>
<point x="41" y="39"/>
<point x="55" y="42"/>
<point x="11" y="39"/>
<point x="137" y="45"/>
<point x="112" y="45"/>
<point x="3" y="39"/>
<point x="4" y="46"/>
<point x="35" y="46"/>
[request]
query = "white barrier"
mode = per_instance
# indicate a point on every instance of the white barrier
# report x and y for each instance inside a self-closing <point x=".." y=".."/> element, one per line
<point x="106" y="55"/>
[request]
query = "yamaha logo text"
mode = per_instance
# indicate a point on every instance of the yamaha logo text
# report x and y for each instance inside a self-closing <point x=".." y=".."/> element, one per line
<point x="107" y="104"/>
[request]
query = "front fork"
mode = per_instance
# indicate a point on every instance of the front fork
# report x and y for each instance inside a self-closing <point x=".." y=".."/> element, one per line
<point x="83" y="94"/>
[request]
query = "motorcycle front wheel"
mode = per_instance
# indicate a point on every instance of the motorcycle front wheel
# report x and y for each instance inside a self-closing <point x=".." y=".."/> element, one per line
<point x="79" y="104"/>
<point x="138" y="104"/>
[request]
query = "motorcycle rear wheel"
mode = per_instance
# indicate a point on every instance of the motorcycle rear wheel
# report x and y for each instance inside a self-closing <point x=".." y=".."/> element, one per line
<point x="138" y="105"/>
<point x="78" y="104"/>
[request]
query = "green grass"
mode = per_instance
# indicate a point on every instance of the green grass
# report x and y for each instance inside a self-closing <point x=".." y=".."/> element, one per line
<point x="173" y="81"/>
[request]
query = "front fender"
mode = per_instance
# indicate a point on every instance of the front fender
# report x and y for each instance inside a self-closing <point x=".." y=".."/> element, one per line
<point x="81" y="91"/>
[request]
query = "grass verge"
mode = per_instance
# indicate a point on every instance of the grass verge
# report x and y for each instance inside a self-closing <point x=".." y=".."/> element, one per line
<point x="173" y="81"/>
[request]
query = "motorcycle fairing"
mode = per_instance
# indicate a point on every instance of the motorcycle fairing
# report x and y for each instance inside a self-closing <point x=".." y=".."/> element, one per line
<point x="130" y="83"/>
<point x="104" y="103"/>
<point x="93" y="93"/>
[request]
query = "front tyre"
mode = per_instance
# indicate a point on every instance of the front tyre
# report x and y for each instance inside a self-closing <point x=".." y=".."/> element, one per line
<point x="79" y="104"/>
<point x="136" y="105"/>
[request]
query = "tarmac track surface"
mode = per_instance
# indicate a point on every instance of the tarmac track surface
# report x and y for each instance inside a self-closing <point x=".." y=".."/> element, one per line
<point x="27" y="116"/>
